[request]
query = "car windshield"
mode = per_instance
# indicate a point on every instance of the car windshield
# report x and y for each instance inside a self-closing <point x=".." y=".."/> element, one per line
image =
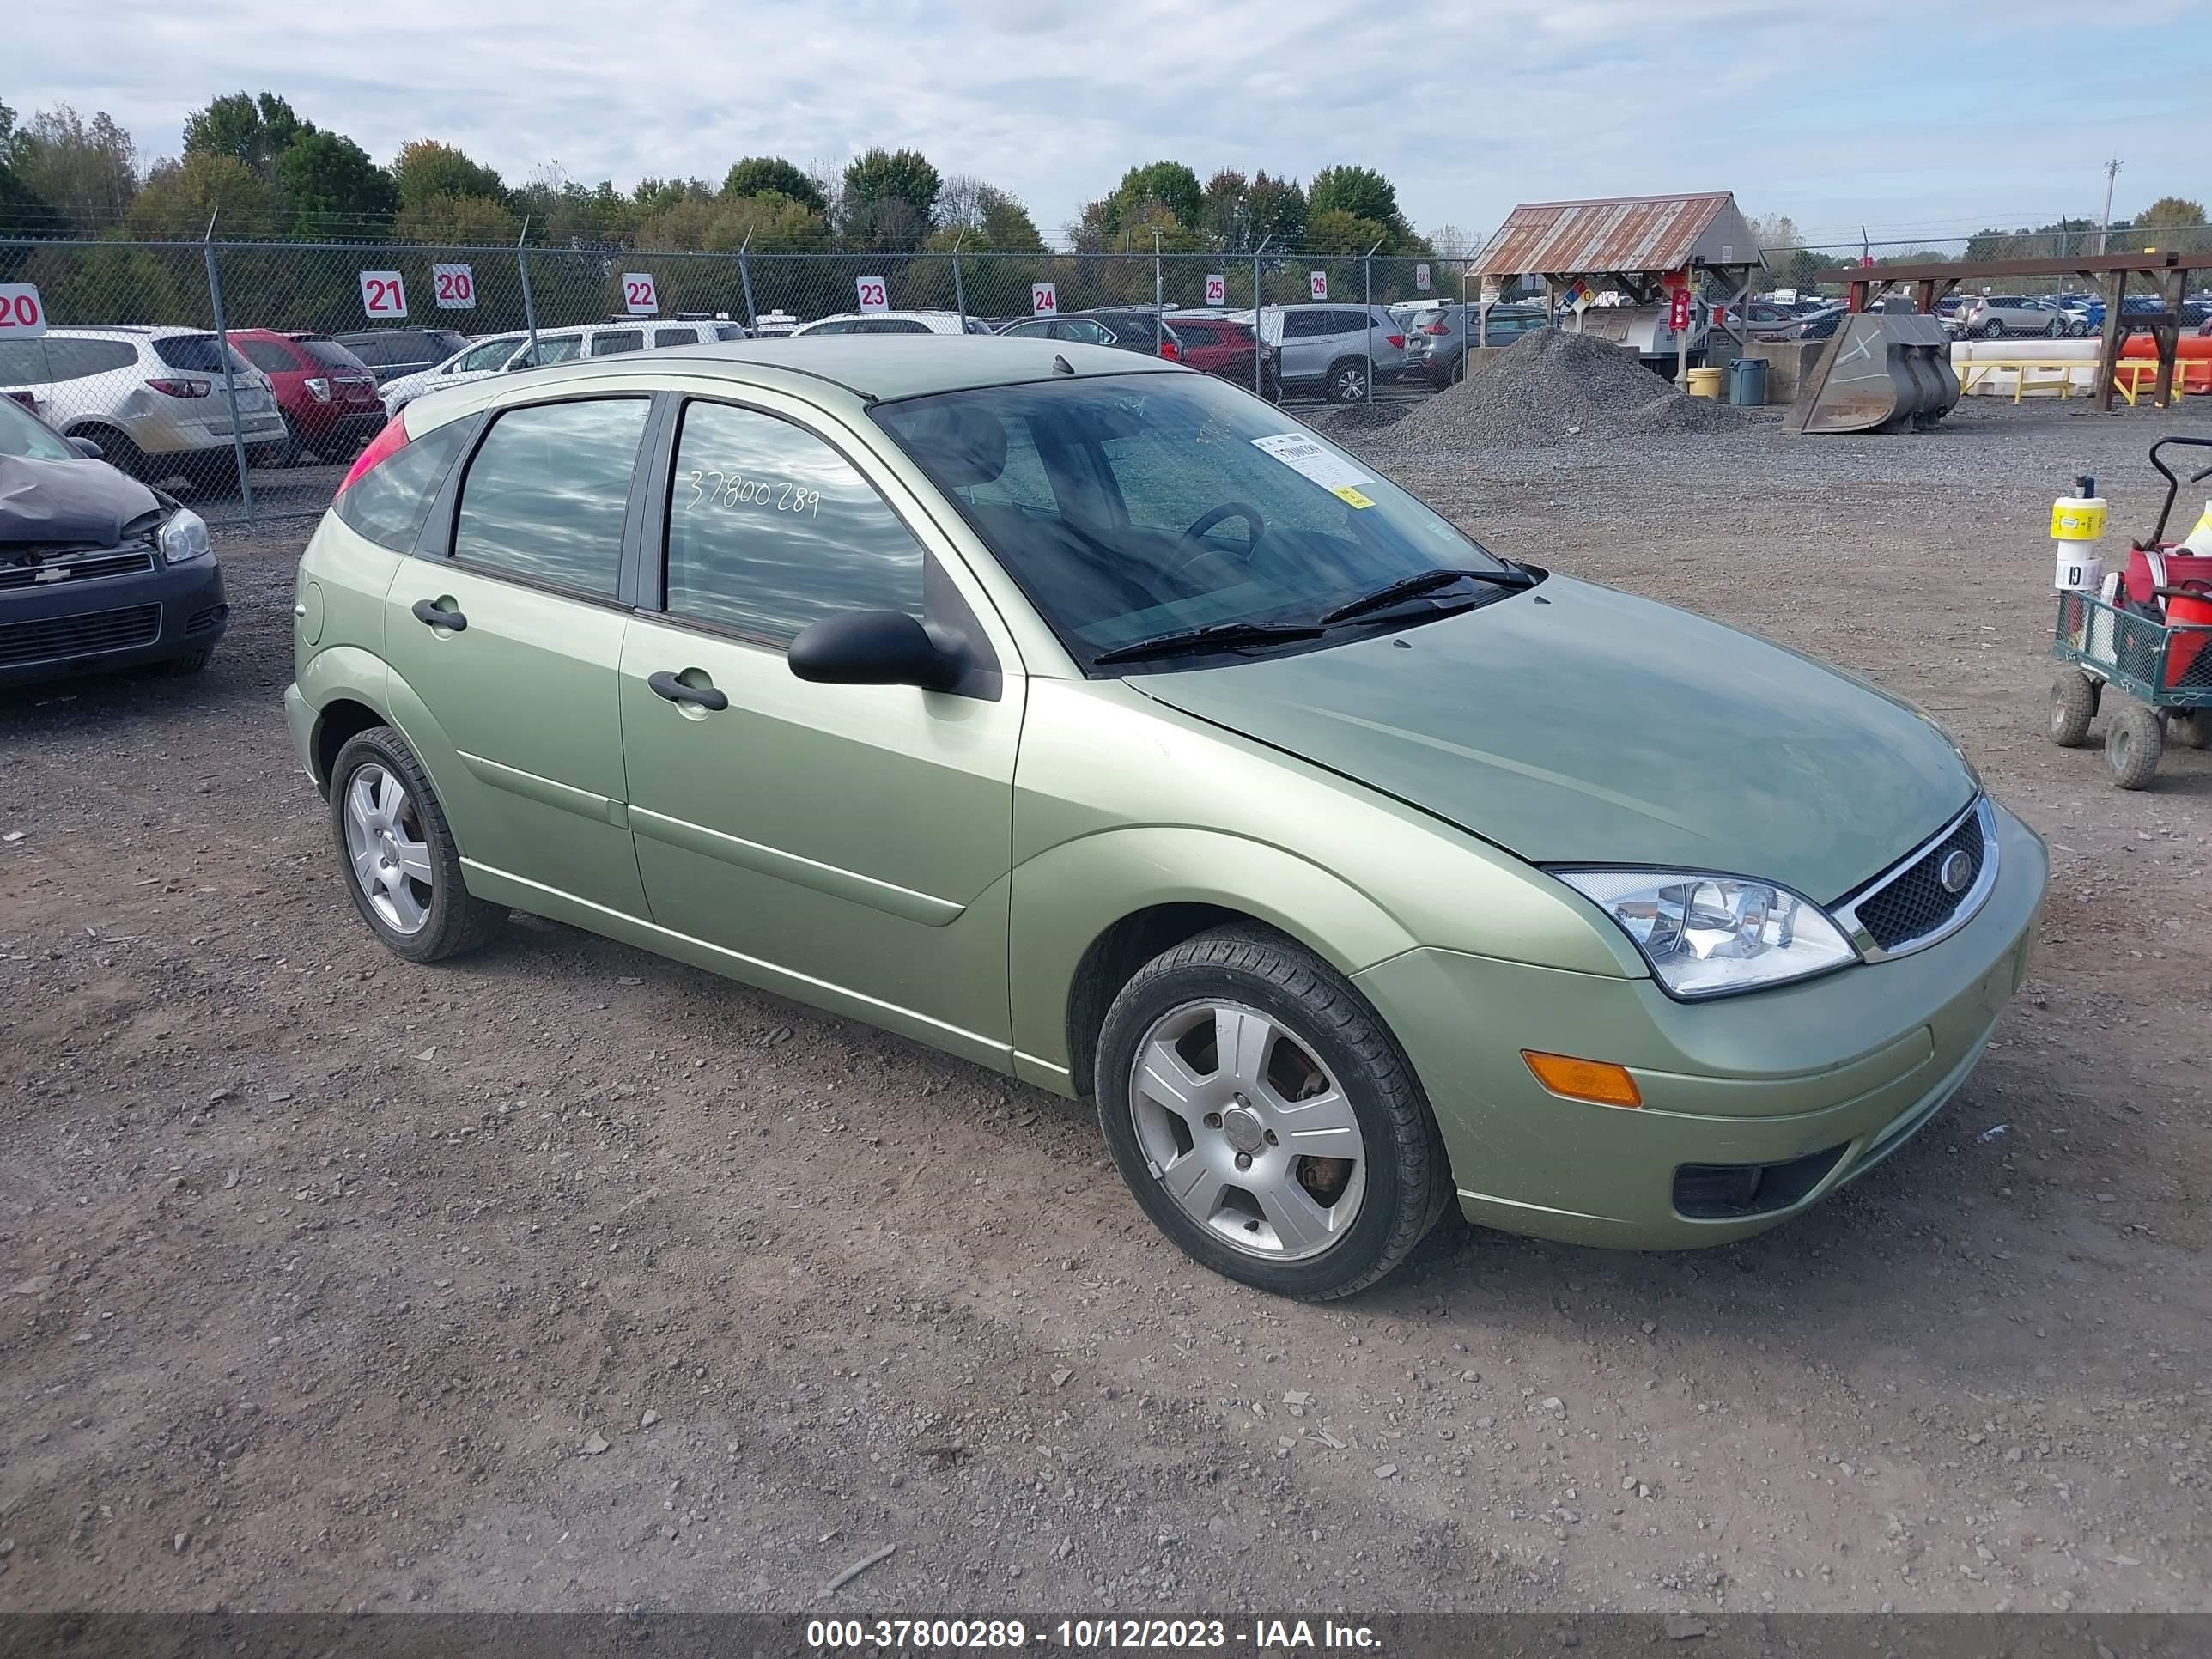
<point x="332" y="355"/>
<point x="1128" y="507"/>
<point x="29" y="439"/>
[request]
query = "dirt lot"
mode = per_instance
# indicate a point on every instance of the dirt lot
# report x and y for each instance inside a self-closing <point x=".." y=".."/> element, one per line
<point x="565" y="1277"/>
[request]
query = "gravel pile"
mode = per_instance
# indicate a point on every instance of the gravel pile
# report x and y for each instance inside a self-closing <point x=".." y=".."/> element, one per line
<point x="1555" y="386"/>
<point x="1360" y="418"/>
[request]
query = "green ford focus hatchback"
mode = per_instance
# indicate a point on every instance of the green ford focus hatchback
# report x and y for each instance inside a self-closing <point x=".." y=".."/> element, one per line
<point x="1091" y="720"/>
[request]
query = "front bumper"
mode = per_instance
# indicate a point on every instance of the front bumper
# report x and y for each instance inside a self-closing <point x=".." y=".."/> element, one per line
<point x="1828" y="1076"/>
<point x="108" y="623"/>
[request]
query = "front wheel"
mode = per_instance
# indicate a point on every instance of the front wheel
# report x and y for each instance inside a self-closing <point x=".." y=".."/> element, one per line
<point x="1347" y="382"/>
<point x="2072" y="706"/>
<point x="403" y="868"/>
<point x="1264" y="1118"/>
<point x="2133" y="743"/>
<point x="1992" y="330"/>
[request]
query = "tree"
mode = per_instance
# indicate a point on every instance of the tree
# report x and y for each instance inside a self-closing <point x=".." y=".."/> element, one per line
<point x="1165" y="185"/>
<point x="890" y="198"/>
<point x="655" y="196"/>
<point x="249" y="129"/>
<point x="476" y="221"/>
<point x="2169" y="213"/>
<point x="1334" y="230"/>
<point x="179" y="197"/>
<point x="20" y="207"/>
<point x="86" y="172"/>
<point x="326" y="183"/>
<point x="425" y="169"/>
<point x="1238" y="215"/>
<point x="1362" y="193"/>
<point x="771" y="175"/>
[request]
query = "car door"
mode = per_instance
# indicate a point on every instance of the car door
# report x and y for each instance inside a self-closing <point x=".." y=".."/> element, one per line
<point x="504" y="635"/>
<point x="849" y="845"/>
<point x="1305" y="343"/>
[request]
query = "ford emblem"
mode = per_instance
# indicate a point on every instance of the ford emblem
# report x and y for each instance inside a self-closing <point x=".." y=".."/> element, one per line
<point x="1957" y="872"/>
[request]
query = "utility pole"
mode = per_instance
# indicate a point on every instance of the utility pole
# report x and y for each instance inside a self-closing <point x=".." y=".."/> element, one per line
<point x="2103" y="228"/>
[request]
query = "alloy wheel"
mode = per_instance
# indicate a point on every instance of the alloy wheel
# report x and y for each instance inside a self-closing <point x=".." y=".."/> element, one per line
<point x="384" y="843"/>
<point x="1247" y="1130"/>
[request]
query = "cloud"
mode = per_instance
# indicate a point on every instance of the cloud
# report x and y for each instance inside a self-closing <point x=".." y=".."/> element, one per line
<point x="1865" y="115"/>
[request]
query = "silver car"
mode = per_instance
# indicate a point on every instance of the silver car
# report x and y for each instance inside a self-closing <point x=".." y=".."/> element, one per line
<point x="152" y="397"/>
<point x="1337" y="351"/>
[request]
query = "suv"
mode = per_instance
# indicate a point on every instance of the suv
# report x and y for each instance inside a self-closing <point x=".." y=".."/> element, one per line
<point x="1338" y="351"/>
<point x="892" y="322"/>
<point x="1436" y="341"/>
<point x="502" y="352"/>
<point x="326" y="395"/>
<point x="393" y="352"/>
<point x="1993" y="316"/>
<point x="153" y="399"/>
<point x="1220" y="347"/>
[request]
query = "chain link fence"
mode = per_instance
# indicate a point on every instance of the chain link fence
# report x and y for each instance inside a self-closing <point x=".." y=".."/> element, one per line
<point x="323" y="338"/>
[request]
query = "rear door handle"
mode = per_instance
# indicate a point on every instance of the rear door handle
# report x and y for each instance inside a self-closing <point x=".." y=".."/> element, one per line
<point x="665" y="684"/>
<point x="426" y="611"/>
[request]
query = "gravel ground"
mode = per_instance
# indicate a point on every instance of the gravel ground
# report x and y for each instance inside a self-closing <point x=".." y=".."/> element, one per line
<point x="566" y="1277"/>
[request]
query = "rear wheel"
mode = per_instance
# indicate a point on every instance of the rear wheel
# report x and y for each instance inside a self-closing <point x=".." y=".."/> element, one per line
<point x="1265" y="1120"/>
<point x="1992" y="329"/>
<point x="2072" y="706"/>
<point x="403" y="868"/>
<point x="119" y="451"/>
<point x="2053" y="329"/>
<point x="2133" y="743"/>
<point x="294" y="450"/>
<point x="1348" y="381"/>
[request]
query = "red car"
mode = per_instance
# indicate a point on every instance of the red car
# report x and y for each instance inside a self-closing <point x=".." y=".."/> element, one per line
<point x="1220" y="347"/>
<point x="328" y="396"/>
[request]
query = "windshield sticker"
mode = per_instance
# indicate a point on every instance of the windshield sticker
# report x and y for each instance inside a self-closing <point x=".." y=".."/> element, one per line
<point x="1350" y="496"/>
<point x="1303" y="456"/>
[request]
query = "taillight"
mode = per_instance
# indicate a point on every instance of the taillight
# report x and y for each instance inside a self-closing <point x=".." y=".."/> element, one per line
<point x="1437" y="328"/>
<point x="384" y="446"/>
<point x="1397" y="341"/>
<point x="180" y="388"/>
<point x="1171" y="351"/>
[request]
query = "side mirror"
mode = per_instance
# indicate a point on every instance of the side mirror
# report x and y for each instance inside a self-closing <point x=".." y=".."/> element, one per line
<point x="873" y="647"/>
<point x="85" y="447"/>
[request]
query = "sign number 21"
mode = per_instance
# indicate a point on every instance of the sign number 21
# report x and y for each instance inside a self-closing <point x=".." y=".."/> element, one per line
<point x="382" y="294"/>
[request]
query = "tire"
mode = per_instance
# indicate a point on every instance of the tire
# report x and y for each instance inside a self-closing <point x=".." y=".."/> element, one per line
<point x="2053" y="329"/>
<point x="2194" y="728"/>
<point x="119" y="451"/>
<point x="213" y="471"/>
<point x="438" y="917"/>
<point x="1992" y="329"/>
<point x="294" y="450"/>
<point x="190" y="662"/>
<point x="1459" y="369"/>
<point x="2133" y="743"/>
<point x="1314" y="1043"/>
<point x="1348" y="381"/>
<point x="2072" y="706"/>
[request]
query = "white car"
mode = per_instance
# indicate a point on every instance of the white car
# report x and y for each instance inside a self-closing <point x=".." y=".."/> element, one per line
<point x="894" y="322"/>
<point x="152" y="397"/>
<point x="503" y="352"/>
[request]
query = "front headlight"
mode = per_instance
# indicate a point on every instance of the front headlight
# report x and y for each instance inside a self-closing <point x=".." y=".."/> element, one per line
<point x="1707" y="935"/>
<point x="185" y="538"/>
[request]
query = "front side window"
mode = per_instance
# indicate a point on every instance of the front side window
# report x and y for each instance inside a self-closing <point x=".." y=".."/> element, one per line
<point x="1037" y="329"/>
<point x="1305" y="324"/>
<point x="548" y="490"/>
<point x="1169" y="503"/>
<point x="493" y="354"/>
<point x="770" y="529"/>
<point x="551" y="349"/>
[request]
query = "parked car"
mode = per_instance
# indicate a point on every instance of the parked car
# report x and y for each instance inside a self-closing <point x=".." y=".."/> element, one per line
<point x="1046" y="703"/>
<point x="1993" y="316"/>
<point x="1218" y="346"/>
<point x="1128" y="330"/>
<point x="893" y="322"/>
<point x="1334" y="350"/>
<point x="96" y="569"/>
<point x="393" y="352"/>
<point x="504" y="352"/>
<point x="326" y="395"/>
<point x="1436" y="347"/>
<point x="153" y="399"/>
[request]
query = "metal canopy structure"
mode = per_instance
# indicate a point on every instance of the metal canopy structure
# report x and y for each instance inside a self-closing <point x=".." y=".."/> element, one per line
<point x="2166" y="275"/>
<point x="1630" y="243"/>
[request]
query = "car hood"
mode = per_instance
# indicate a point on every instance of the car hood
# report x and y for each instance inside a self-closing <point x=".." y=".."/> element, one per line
<point x="1573" y="724"/>
<point x="85" y="503"/>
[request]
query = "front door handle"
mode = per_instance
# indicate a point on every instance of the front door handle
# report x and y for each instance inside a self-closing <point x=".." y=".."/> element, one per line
<point x="665" y="684"/>
<point x="426" y="610"/>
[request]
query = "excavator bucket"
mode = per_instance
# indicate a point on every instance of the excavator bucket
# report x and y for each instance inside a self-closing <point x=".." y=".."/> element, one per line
<point x="1881" y="372"/>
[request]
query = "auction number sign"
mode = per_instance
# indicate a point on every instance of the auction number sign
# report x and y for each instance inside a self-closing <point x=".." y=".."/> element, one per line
<point x="1044" y="299"/>
<point x="1317" y="285"/>
<point x="383" y="294"/>
<point x="1217" y="289"/>
<point x="640" y="297"/>
<point x="874" y="296"/>
<point x="453" y="287"/>
<point x="22" y="314"/>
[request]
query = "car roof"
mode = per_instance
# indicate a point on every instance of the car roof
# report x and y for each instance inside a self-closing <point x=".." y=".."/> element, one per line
<point x="875" y="367"/>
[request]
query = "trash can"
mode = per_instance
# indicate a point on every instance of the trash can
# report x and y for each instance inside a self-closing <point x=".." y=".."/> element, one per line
<point x="1704" y="383"/>
<point x="1747" y="382"/>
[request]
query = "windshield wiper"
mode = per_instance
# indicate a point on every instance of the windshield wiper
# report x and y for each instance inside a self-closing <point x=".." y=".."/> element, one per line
<point x="1211" y="637"/>
<point x="1407" y="587"/>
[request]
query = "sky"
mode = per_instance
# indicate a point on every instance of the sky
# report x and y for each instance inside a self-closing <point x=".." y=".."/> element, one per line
<point x="1913" y="120"/>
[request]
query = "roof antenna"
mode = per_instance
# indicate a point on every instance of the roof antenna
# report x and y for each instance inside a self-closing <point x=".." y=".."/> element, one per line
<point x="1061" y="365"/>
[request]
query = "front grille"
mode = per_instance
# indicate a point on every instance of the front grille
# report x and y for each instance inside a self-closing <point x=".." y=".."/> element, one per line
<point x="80" y="566"/>
<point x="1728" y="1192"/>
<point x="56" y="639"/>
<point x="1917" y="902"/>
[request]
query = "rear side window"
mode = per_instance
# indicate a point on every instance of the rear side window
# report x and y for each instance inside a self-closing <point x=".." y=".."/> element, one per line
<point x="673" y="336"/>
<point x="625" y="339"/>
<point x="890" y="325"/>
<point x="546" y="497"/>
<point x="770" y="529"/>
<point x="201" y="353"/>
<point x="267" y="355"/>
<point x="387" y="505"/>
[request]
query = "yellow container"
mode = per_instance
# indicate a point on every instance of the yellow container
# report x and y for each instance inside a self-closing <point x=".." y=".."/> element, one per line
<point x="2077" y="518"/>
<point x="1705" y="383"/>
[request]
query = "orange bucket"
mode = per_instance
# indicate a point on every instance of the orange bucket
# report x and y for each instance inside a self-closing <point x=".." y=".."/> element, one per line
<point x="2187" y="607"/>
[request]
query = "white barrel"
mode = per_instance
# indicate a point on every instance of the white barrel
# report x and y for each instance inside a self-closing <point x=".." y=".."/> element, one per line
<point x="2083" y="573"/>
